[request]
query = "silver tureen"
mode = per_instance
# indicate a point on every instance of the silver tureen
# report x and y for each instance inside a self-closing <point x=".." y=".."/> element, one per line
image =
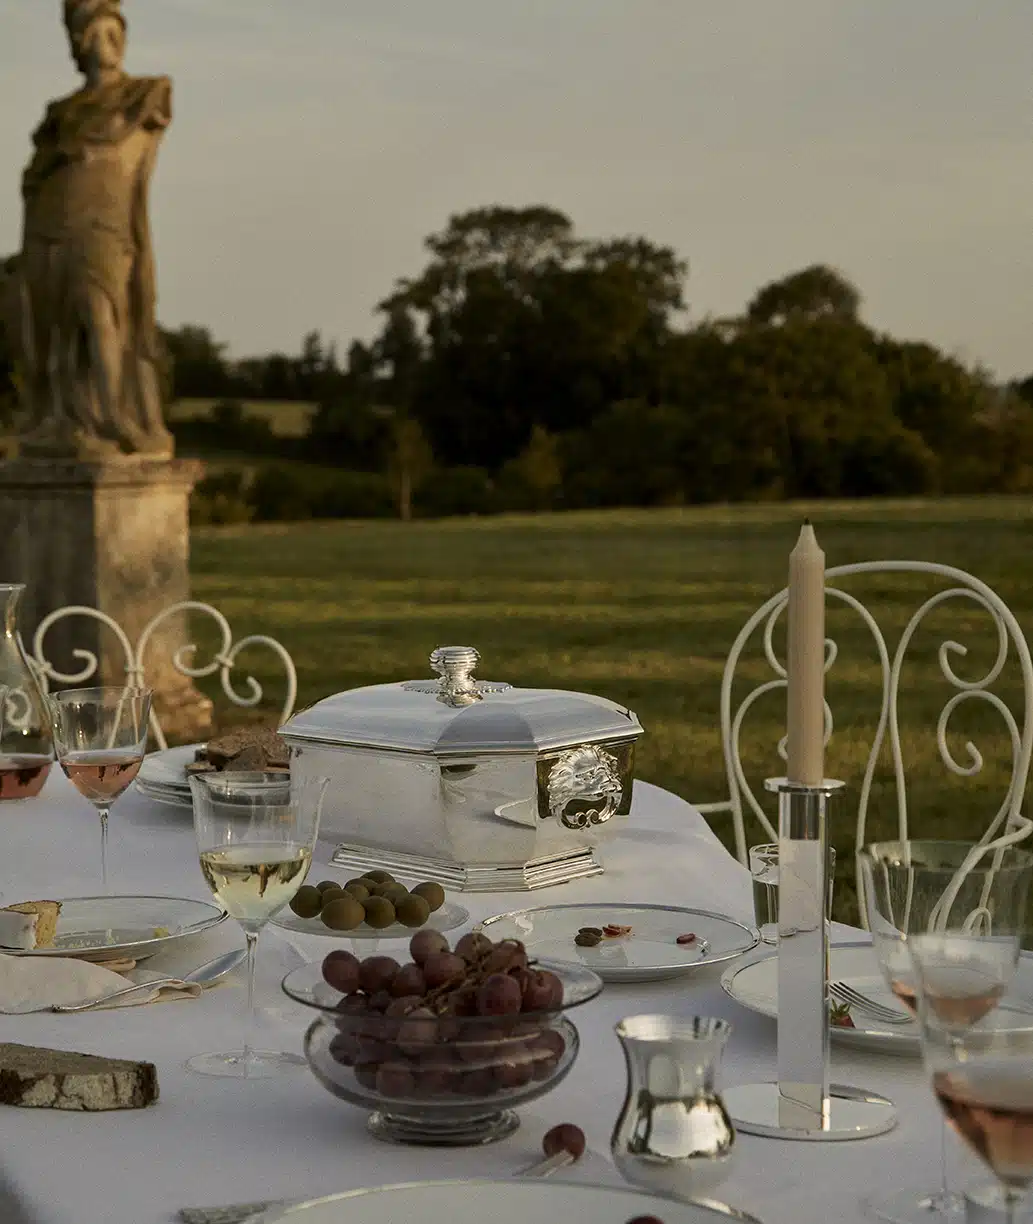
<point x="476" y="784"/>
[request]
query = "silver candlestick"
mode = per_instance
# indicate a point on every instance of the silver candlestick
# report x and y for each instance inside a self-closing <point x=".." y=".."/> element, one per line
<point x="801" y="1103"/>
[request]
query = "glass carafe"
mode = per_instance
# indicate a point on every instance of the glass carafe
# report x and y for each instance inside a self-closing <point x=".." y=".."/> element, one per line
<point x="26" y="745"/>
<point x="674" y="1135"/>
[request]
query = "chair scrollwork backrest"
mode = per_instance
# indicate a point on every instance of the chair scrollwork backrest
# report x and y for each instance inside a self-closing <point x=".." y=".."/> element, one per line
<point x="1008" y="825"/>
<point x="223" y="662"/>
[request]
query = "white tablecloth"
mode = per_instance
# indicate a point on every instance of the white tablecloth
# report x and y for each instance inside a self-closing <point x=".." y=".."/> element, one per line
<point x="213" y="1141"/>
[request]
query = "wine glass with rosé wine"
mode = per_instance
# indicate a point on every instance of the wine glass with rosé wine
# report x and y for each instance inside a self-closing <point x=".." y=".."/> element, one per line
<point x="978" y="1059"/>
<point x="943" y="890"/>
<point x="100" y="737"/>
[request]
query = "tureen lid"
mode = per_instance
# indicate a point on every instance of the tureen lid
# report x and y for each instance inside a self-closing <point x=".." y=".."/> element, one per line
<point x="458" y="714"/>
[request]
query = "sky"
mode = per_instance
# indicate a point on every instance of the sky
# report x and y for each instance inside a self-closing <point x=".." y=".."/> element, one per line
<point x="317" y="142"/>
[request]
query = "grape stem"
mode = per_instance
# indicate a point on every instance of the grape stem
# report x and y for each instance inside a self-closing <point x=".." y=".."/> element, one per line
<point x="468" y="978"/>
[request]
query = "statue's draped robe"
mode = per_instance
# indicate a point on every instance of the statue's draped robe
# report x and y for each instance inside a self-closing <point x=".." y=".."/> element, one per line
<point x="87" y="229"/>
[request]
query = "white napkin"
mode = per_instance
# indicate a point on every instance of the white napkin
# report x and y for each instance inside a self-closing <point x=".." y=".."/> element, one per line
<point x="31" y="982"/>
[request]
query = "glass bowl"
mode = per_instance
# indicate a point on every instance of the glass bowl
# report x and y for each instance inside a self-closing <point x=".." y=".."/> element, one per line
<point x="444" y="1080"/>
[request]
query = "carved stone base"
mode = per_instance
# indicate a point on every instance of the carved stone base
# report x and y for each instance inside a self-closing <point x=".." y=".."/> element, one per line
<point x="112" y="535"/>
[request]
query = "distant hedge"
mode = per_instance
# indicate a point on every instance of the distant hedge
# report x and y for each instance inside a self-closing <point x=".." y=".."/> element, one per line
<point x="288" y="492"/>
<point x="285" y="492"/>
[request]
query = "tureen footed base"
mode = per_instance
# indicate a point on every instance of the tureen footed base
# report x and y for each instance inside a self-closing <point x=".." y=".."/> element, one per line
<point x="473" y="877"/>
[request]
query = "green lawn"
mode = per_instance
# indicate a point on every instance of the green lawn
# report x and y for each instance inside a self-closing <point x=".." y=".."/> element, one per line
<point x="642" y="607"/>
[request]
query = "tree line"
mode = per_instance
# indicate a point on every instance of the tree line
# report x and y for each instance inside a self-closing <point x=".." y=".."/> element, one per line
<point x="527" y="367"/>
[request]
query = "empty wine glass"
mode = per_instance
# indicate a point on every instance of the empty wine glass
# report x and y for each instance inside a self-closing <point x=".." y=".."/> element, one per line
<point x="100" y="738"/>
<point x="980" y="1063"/>
<point x="913" y="888"/>
<point x="255" y="835"/>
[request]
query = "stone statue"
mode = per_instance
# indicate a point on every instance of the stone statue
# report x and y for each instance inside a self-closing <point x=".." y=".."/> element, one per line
<point x="83" y="287"/>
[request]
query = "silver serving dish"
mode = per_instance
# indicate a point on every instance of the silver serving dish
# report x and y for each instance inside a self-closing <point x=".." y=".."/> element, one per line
<point x="475" y="784"/>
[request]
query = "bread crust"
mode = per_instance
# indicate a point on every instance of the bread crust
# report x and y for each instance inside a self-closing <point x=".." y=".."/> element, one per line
<point x="34" y="1077"/>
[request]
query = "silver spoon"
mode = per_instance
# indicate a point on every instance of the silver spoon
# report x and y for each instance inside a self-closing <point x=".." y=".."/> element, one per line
<point x="206" y="975"/>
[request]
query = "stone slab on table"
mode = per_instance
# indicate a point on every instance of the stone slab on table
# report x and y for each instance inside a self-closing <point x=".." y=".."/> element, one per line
<point x="213" y="1141"/>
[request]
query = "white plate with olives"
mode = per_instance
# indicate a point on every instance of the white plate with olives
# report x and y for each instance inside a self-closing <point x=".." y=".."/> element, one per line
<point x="627" y="943"/>
<point x="373" y="906"/>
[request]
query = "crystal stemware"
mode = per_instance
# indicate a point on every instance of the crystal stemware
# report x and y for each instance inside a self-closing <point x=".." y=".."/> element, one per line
<point x="980" y="1063"/>
<point x="255" y="835"/>
<point x="100" y="737"/>
<point x="26" y="743"/>
<point x="912" y="888"/>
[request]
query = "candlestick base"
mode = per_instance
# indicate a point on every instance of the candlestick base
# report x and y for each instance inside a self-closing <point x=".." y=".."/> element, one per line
<point x="853" y="1113"/>
<point x="782" y="786"/>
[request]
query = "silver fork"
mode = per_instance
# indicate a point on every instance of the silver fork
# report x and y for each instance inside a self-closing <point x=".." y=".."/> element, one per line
<point x="878" y="1011"/>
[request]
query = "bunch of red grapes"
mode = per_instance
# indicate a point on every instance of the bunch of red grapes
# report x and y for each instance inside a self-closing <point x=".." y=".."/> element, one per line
<point x="473" y="1021"/>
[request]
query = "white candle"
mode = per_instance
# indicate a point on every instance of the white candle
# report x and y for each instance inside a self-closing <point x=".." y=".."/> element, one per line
<point x="805" y="662"/>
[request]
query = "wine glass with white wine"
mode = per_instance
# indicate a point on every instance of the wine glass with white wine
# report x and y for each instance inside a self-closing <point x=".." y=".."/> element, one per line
<point x="255" y="835"/>
<point x="100" y="738"/>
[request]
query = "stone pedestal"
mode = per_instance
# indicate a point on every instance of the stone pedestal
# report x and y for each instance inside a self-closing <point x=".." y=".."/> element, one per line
<point x="111" y="535"/>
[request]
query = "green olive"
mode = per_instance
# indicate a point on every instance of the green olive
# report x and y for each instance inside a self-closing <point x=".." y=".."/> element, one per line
<point x="394" y="893"/>
<point x="380" y="913"/>
<point x="412" y="911"/>
<point x="344" y="913"/>
<point x="332" y="894"/>
<point x="357" y="889"/>
<point x="306" y="902"/>
<point x="323" y="885"/>
<point x="381" y="877"/>
<point x="432" y="893"/>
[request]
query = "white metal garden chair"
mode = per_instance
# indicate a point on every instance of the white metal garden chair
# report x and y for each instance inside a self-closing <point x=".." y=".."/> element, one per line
<point x="1008" y="825"/>
<point x="223" y="661"/>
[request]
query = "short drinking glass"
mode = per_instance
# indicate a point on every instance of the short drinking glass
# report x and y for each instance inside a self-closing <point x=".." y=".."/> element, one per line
<point x="100" y="738"/>
<point x="764" y="870"/>
<point x="255" y="835"/>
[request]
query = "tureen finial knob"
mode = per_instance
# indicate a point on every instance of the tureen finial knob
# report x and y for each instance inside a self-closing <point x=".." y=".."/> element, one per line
<point x="455" y="665"/>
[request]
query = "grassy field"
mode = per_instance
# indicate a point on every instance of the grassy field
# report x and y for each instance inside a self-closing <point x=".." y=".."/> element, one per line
<point x="642" y="607"/>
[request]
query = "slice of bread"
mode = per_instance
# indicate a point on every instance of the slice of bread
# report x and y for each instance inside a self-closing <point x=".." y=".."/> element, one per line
<point x="46" y="921"/>
<point x="38" y="1078"/>
<point x="248" y="749"/>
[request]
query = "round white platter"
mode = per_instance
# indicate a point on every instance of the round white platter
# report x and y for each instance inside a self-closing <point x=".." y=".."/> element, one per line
<point x="755" y="986"/>
<point x="649" y="953"/>
<point x="124" y="928"/>
<point x="502" y="1202"/>
<point x="163" y="775"/>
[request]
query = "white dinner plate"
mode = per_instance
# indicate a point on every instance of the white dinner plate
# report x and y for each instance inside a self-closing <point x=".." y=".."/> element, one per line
<point x="167" y="769"/>
<point x="163" y="775"/>
<point x="171" y="798"/>
<point x="124" y="928"/>
<point x="447" y="918"/>
<point x="755" y="986"/>
<point x="649" y="953"/>
<point x="502" y="1202"/>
